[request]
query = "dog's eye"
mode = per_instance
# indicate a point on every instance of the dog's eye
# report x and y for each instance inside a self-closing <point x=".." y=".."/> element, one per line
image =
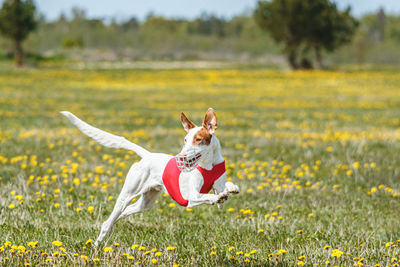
<point x="198" y="139"/>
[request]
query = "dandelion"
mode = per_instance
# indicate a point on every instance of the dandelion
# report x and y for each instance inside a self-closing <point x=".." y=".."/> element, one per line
<point x="32" y="244"/>
<point x="171" y="205"/>
<point x="171" y="248"/>
<point x="336" y="253"/>
<point x="90" y="209"/>
<point x="108" y="249"/>
<point x="89" y="242"/>
<point x="11" y="206"/>
<point x="300" y="263"/>
<point x="231" y="248"/>
<point x="57" y="243"/>
<point x="282" y="252"/>
<point x="154" y="261"/>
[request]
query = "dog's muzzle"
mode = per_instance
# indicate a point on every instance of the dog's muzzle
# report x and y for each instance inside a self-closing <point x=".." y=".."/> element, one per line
<point x="187" y="161"/>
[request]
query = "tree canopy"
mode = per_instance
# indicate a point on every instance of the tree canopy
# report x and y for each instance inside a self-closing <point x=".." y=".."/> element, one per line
<point x="305" y="25"/>
<point x="17" y="20"/>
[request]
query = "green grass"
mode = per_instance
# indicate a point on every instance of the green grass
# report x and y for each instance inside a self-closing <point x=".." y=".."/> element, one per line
<point x="298" y="144"/>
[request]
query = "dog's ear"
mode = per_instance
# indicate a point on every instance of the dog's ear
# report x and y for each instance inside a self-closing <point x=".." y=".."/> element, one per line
<point x="210" y="121"/>
<point x="187" y="124"/>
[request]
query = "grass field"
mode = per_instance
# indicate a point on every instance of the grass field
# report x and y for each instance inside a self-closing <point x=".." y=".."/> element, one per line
<point x="316" y="156"/>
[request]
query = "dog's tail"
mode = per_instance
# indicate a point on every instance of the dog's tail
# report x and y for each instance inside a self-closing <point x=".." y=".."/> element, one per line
<point x="104" y="138"/>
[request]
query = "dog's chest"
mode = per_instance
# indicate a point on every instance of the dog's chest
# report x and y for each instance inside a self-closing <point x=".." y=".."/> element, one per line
<point x="171" y="175"/>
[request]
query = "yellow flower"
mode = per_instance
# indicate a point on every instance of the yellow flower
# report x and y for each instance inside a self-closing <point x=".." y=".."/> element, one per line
<point x="154" y="261"/>
<point x="157" y="254"/>
<point x="90" y="209"/>
<point x="261" y="230"/>
<point x="336" y="253"/>
<point x="171" y="205"/>
<point x="108" y="249"/>
<point x="282" y="251"/>
<point x="57" y="243"/>
<point x="300" y="263"/>
<point x="231" y="248"/>
<point x="171" y="248"/>
<point x="89" y="242"/>
<point x="11" y="206"/>
<point x="32" y="244"/>
<point x="134" y="246"/>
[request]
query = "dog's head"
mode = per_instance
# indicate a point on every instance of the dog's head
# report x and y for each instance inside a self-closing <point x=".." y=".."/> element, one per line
<point x="200" y="143"/>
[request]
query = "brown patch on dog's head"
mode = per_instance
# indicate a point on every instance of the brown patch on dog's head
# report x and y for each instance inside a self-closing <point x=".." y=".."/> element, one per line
<point x="202" y="137"/>
<point x="210" y="121"/>
<point x="187" y="124"/>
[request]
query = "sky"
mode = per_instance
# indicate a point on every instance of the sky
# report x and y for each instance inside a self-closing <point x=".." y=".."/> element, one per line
<point x="123" y="9"/>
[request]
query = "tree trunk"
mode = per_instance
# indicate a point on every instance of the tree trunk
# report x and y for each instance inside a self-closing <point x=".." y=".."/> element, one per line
<point x="318" y="58"/>
<point x="18" y="53"/>
<point x="292" y="58"/>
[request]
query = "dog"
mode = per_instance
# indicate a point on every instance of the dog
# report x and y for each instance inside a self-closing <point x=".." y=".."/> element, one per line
<point x="187" y="177"/>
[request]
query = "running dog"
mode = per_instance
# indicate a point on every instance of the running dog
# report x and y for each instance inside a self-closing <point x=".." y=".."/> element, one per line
<point x="186" y="177"/>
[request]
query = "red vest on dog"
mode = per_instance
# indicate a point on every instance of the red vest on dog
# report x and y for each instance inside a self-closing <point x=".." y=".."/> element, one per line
<point x="171" y="179"/>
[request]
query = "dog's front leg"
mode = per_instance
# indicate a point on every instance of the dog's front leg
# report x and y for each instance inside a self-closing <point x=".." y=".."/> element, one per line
<point x="190" y="187"/>
<point x="219" y="188"/>
<point x="198" y="199"/>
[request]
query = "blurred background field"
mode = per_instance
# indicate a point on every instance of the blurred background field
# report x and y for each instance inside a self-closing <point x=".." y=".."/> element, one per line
<point x="76" y="35"/>
<point x="316" y="160"/>
<point x="314" y="152"/>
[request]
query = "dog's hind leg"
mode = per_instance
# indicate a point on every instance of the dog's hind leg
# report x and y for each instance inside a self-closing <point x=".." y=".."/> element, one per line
<point x="145" y="203"/>
<point x="134" y="183"/>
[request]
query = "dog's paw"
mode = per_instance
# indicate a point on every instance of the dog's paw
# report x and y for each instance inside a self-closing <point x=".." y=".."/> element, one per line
<point x="222" y="197"/>
<point x="232" y="188"/>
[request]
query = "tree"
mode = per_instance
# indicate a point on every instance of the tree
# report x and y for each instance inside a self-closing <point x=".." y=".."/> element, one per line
<point x="305" y="25"/>
<point x="17" y="20"/>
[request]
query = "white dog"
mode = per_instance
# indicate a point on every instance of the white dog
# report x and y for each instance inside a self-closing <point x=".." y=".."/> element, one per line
<point x="187" y="177"/>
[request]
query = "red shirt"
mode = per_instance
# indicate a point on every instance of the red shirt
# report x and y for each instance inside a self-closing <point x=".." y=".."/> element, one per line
<point x="171" y="179"/>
